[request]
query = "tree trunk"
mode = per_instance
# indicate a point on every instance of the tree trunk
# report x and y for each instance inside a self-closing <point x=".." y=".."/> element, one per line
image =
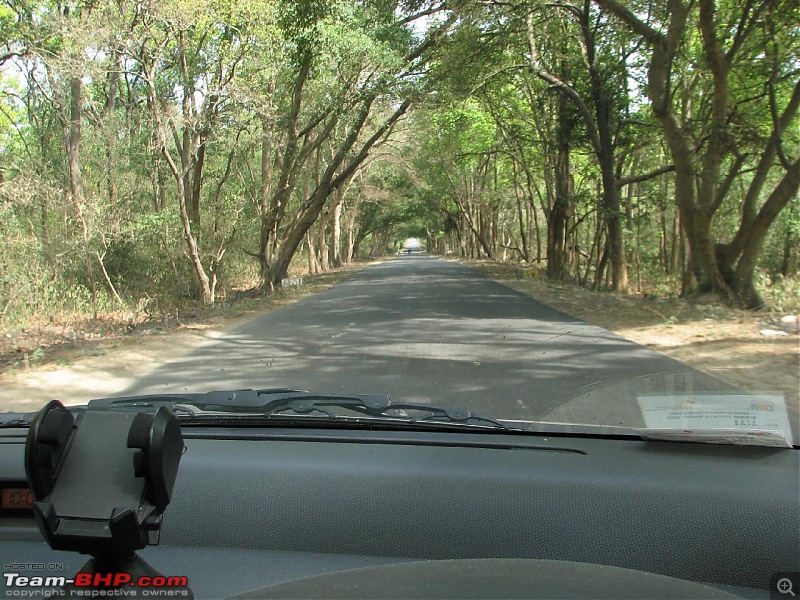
<point x="789" y="262"/>
<point x="207" y="290"/>
<point x="351" y="225"/>
<point x="559" y="214"/>
<point x="523" y="230"/>
<point x="601" y="267"/>
<point x="110" y="134"/>
<point x="613" y="216"/>
<point x="197" y="182"/>
<point x="336" y="227"/>
<point x="73" y="143"/>
<point x="674" y="255"/>
<point x="477" y="234"/>
<point x="207" y="286"/>
<point x="335" y="174"/>
<point x="74" y="140"/>
<point x="322" y="241"/>
<point x="745" y="268"/>
<point x="728" y="254"/>
<point x="313" y="263"/>
<point x="280" y="265"/>
<point x="267" y="229"/>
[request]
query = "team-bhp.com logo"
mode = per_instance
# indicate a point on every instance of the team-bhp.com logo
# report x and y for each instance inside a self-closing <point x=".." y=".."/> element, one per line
<point x="95" y="585"/>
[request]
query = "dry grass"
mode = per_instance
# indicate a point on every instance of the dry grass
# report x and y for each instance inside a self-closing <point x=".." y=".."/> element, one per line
<point x="45" y="341"/>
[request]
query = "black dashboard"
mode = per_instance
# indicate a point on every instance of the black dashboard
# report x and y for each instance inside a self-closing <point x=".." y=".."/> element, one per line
<point x="254" y="508"/>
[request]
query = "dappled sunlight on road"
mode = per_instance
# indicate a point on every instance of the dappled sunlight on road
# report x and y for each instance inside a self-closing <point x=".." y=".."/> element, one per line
<point x="426" y="330"/>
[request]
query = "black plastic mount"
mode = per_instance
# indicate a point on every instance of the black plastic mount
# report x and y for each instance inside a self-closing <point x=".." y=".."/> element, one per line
<point x="101" y="481"/>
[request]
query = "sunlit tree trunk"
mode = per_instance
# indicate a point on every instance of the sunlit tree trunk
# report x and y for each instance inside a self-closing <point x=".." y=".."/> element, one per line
<point x="73" y="144"/>
<point x="336" y="228"/>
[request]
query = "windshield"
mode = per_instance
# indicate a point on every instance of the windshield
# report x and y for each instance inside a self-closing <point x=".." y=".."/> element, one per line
<point x="570" y="213"/>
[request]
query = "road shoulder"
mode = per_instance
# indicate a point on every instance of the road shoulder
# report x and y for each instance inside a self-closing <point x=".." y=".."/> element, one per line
<point x="108" y="365"/>
<point x="753" y="351"/>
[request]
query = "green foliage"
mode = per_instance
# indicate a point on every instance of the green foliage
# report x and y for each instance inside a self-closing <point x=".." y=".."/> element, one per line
<point x="464" y="130"/>
<point x="781" y="294"/>
<point x="475" y="158"/>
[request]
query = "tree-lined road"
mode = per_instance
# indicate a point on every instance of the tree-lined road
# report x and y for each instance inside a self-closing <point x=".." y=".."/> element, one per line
<point x="427" y="330"/>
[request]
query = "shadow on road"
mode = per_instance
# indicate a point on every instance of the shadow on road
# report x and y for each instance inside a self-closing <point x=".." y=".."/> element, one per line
<point x="426" y="330"/>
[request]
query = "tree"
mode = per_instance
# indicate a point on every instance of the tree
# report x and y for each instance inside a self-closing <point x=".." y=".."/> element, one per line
<point x="724" y="39"/>
<point x="177" y="47"/>
<point x="372" y="90"/>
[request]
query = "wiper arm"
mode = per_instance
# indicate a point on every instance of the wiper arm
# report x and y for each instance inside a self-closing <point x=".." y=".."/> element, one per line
<point x="273" y="402"/>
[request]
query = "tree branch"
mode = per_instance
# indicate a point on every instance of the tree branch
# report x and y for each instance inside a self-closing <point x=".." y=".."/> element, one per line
<point x="623" y="13"/>
<point x="568" y="90"/>
<point x="725" y="184"/>
<point x="425" y="13"/>
<point x="622" y="182"/>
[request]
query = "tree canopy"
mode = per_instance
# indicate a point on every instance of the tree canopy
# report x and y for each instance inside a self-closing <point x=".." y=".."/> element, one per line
<point x="189" y="147"/>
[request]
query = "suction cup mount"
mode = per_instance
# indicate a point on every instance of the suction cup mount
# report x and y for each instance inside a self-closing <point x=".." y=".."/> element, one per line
<point x="101" y="482"/>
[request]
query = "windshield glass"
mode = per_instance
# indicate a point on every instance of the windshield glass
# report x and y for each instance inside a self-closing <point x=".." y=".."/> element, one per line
<point x="536" y="213"/>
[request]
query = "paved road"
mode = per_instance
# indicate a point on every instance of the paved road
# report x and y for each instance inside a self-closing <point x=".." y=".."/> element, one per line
<point x="427" y="330"/>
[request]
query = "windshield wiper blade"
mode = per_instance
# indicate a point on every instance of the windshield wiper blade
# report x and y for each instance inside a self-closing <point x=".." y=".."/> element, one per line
<point x="273" y="402"/>
<point x="16" y="419"/>
<point x="228" y="399"/>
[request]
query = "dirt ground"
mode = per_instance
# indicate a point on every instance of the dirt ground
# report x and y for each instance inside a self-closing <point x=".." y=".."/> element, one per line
<point x="76" y="362"/>
<point x="755" y="351"/>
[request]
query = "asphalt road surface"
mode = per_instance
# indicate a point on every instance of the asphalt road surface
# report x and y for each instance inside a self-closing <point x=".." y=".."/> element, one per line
<point x="427" y="330"/>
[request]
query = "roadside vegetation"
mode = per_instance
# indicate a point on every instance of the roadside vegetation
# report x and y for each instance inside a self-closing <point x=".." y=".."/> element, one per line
<point x="61" y="342"/>
<point x="163" y="156"/>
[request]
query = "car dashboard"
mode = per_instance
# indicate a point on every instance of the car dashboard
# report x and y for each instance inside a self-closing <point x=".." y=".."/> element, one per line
<point x="255" y="508"/>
